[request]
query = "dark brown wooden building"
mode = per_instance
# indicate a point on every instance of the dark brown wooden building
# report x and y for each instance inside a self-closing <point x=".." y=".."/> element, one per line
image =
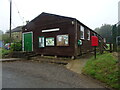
<point x="50" y="34"/>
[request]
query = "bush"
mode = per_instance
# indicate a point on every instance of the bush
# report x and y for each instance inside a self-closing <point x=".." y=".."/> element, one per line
<point x="5" y="52"/>
<point x="104" y="68"/>
<point x="17" y="46"/>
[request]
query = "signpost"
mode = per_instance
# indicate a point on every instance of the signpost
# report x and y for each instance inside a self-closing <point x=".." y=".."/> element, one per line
<point x="94" y="43"/>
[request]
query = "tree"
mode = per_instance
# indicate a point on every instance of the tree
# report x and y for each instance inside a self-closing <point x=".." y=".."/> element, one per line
<point x="106" y="32"/>
<point x="6" y="38"/>
<point x="1" y="32"/>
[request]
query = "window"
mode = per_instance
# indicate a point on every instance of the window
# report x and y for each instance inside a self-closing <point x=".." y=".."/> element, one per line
<point x="62" y="40"/>
<point x="88" y="34"/>
<point x="50" y="41"/>
<point x="41" y="42"/>
<point x="94" y="34"/>
<point x="81" y="32"/>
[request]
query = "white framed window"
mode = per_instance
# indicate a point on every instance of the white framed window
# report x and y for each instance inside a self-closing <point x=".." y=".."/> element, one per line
<point x="88" y="34"/>
<point x="82" y="32"/>
<point x="94" y="34"/>
<point x="41" y="42"/>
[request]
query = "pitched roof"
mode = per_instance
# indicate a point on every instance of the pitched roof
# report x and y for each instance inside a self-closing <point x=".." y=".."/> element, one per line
<point x="17" y="29"/>
<point x="57" y="16"/>
<point x="54" y="16"/>
<point x="49" y="14"/>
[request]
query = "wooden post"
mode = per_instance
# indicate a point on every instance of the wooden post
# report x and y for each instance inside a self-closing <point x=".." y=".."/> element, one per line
<point x="42" y="55"/>
<point x="80" y="50"/>
<point x="73" y="57"/>
<point x="10" y="19"/>
<point x="95" y="51"/>
<point x="55" y="56"/>
<point x="110" y="48"/>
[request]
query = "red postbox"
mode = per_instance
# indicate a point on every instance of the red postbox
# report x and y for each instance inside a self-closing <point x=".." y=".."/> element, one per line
<point x="94" y="41"/>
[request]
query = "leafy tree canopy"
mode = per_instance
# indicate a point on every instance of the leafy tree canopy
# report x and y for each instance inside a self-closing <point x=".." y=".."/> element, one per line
<point x="106" y="32"/>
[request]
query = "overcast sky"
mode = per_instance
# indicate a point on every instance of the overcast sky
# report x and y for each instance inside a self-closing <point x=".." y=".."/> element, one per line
<point x="92" y="13"/>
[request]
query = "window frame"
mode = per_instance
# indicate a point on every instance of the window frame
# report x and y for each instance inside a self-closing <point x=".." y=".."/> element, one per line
<point x="82" y="28"/>
<point x="48" y="44"/>
<point x="42" y="42"/>
<point x="88" y="34"/>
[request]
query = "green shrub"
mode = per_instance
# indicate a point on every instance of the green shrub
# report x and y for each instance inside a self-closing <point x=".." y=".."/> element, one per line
<point x="104" y="68"/>
<point x="5" y="52"/>
<point x="16" y="46"/>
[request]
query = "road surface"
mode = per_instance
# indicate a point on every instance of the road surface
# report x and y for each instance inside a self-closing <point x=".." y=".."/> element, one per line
<point x="32" y="74"/>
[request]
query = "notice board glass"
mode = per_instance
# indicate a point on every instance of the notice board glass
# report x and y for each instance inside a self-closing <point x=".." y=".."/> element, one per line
<point x="50" y="41"/>
<point x="63" y="40"/>
<point x="41" y="42"/>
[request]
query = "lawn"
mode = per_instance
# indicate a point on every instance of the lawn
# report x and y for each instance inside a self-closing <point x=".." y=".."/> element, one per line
<point x="104" y="68"/>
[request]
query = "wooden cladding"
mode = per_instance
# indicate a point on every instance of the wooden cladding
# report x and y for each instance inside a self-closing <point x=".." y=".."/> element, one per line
<point x="56" y="35"/>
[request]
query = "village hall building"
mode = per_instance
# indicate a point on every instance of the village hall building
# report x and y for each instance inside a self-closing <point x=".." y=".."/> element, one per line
<point x="50" y="34"/>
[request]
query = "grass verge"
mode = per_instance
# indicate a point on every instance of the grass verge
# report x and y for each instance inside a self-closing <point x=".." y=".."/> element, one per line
<point x="104" y="68"/>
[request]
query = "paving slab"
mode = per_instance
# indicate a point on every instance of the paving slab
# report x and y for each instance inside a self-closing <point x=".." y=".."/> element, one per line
<point x="76" y="65"/>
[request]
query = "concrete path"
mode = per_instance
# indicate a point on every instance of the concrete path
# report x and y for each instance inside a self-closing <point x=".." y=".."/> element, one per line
<point x="73" y="65"/>
<point x="76" y="65"/>
<point x="34" y="74"/>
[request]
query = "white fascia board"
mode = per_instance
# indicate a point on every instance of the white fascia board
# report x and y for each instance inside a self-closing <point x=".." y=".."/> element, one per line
<point x="51" y="30"/>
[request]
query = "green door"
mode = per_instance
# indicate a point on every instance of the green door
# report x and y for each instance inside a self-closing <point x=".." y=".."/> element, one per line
<point x="27" y="42"/>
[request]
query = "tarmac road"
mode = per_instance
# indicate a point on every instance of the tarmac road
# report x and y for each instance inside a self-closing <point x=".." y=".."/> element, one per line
<point x="31" y="74"/>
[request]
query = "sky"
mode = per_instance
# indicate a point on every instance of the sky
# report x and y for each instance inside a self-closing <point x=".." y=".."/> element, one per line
<point x="93" y="13"/>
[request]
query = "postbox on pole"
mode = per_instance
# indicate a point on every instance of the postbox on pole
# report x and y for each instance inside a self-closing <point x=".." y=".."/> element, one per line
<point x="94" y="43"/>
